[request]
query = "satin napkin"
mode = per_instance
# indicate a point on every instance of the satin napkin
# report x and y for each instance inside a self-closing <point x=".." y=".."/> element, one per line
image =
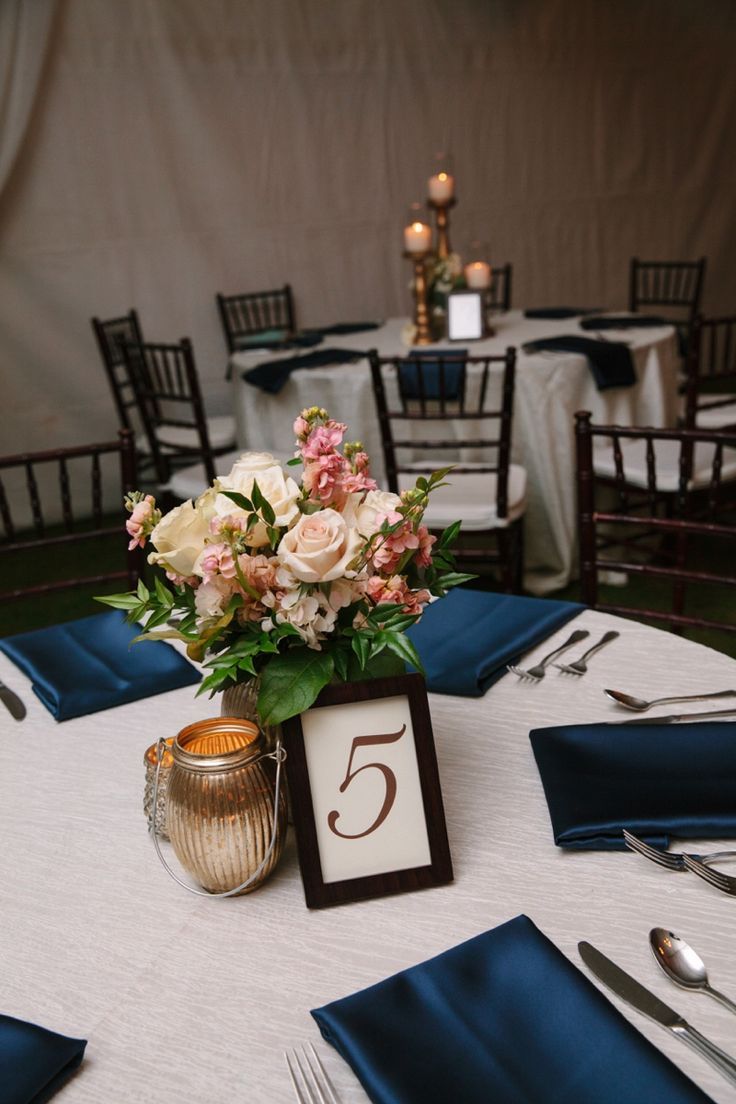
<point x="655" y="780"/>
<point x="623" y="322"/>
<point x="262" y="339"/>
<point x="84" y="666"/>
<point x="351" y="327"/>
<point x="611" y="363"/>
<point x="556" y="312"/>
<point x="271" y="375"/>
<point x="453" y="366"/>
<point x="466" y="639"/>
<point x="504" y="1017"/>
<point x="34" y="1062"/>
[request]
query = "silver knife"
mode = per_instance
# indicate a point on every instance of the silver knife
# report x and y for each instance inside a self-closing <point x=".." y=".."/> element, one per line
<point x="672" y="718"/>
<point x="12" y="702"/>
<point x="647" y="1003"/>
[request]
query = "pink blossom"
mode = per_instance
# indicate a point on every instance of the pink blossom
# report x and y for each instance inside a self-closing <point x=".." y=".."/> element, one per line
<point x="396" y="591"/>
<point x="423" y="557"/>
<point x="259" y="571"/>
<point x="389" y="550"/>
<point x="323" y="478"/>
<point x="218" y="559"/>
<point x="301" y="427"/>
<point x="323" y="440"/>
<point x="136" y="524"/>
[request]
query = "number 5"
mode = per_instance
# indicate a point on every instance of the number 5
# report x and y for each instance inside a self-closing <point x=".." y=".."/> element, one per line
<point x="389" y="778"/>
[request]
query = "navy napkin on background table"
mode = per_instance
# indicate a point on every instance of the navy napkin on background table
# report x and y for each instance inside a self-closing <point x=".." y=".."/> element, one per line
<point x="34" y="1062"/>
<point x="271" y="375"/>
<point x="465" y="640"/>
<point x="655" y="780"/>
<point x="557" y="312"/>
<point x="84" y="666"/>
<point x="502" y="1017"/>
<point x="623" y="322"/>
<point x="610" y="362"/>
<point x="351" y="327"/>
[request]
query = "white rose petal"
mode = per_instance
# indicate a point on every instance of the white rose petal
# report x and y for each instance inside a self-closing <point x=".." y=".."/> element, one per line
<point x="279" y="490"/>
<point x="375" y="504"/>
<point x="179" y="538"/>
<point x="319" y="547"/>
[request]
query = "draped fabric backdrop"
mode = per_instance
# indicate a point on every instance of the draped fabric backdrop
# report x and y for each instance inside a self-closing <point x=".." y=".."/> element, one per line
<point x="157" y="151"/>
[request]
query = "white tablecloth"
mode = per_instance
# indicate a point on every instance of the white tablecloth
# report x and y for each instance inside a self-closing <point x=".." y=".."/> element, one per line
<point x="549" y="389"/>
<point x="187" y="1000"/>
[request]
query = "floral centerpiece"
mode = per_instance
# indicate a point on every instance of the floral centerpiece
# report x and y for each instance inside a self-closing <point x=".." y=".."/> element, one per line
<point x="300" y="582"/>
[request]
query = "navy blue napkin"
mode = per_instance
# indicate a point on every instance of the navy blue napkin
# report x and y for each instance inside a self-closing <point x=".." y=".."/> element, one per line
<point x="654" y="780"/>
<point x="465" y="639"/>
<point x="84" y="666"/>
<point x="610" y="361"/>
<point x="351" y="327"/>
<point x="34" y="1062"/>
<point x="271" y="375"/>
<point x="503" y="1017"/>
<point x="623" y="322"/>
<point x="557" y="312"/>
<point x="422" y="380"/>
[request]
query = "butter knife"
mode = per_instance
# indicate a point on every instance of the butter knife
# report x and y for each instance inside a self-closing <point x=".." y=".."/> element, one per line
<point x="12" y="702"/>
<point x="649" y="1005"/>
<point x="673" y="718"/>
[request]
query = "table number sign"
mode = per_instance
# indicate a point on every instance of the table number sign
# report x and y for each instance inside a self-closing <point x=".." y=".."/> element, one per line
<point x="365" y="792"/>
<point x="465" y="315"/>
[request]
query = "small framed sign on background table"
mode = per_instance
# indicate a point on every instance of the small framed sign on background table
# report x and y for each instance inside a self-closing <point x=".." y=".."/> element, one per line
<point x="465" y="316"/>
<point x="365" y="792"/>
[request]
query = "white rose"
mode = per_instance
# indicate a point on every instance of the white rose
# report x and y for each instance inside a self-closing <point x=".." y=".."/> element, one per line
<point x="319" y="547"/>
<point x="280" y="490"/>
<point x="376" y="503"/>
<point x="179" y="538"/>
<point x="249" y="462"/>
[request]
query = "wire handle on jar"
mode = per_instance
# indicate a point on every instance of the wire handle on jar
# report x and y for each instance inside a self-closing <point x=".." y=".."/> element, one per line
<point x="279" y="754"/>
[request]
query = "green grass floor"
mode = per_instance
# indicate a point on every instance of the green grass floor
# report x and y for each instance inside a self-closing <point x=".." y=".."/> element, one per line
<point x="109" y="554"/>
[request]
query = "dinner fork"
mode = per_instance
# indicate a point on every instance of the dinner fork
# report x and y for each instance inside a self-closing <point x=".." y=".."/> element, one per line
<point x="579" y="667"/>
<point x="311" y="1085"/>
<point x="724" y="882"/>
<point x="673" y="860"/>
<point x="536" y="673"/>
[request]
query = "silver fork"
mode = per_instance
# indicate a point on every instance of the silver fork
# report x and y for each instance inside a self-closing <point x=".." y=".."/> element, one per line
<point x="579" y="667"/>
<point x="309" y="1078"/>
<point x="536" y="673"/>
<point x="674" y="860"/>
<point x="724" y="882"/>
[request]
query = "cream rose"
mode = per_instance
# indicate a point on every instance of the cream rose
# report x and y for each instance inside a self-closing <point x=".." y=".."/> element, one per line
<point x="280" y="490"/>
<point x="319" y="547"/>
<point x="249" y="462"/>
<point x="179" y="538"/>
<point x="376" y="503"/>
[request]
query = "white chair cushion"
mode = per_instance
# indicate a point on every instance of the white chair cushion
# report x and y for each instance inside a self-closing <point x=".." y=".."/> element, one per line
<point x="221" y="431"/>
<point x="471" y="498"/>
<point x="667" y="463"/>
<point x="718" y="416"/>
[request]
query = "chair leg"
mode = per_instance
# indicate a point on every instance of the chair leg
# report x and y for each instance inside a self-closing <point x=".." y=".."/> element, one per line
<point x="510" y="550"/>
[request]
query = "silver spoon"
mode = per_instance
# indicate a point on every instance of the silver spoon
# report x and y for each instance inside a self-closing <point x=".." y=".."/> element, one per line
<point x="630" y="702"/>
<point x="682" y="965"/>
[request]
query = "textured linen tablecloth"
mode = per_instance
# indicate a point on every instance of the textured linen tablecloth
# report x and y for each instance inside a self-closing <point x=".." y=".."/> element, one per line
<point x="186" y="1000"/>
<point x="549" y="390"/>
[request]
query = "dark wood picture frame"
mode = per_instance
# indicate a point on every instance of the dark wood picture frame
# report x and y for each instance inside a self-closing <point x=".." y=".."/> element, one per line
<point x="317" y="892"/>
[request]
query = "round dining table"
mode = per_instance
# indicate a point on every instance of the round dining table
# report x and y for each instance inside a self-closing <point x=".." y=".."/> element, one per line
<point x="550" y="388"/>
<point x="190" y="1000"/>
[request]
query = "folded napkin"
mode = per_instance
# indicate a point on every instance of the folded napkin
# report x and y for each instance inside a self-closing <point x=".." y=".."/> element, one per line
<point x="557" y="312"/>
<point x="466" y="638"/>
<point x="453" y="366"/>
<point x="351" y="327"/>
<point x="34" y="1062"/>
<point x="622" y="321"/>
<point x="83" y="666"/>
<point x="503" y="1017"/>
<point x="271" y="375"/>
<point x="262" y="339"/>
<point x="610" y="361"/>
<point x="655" y="780"/>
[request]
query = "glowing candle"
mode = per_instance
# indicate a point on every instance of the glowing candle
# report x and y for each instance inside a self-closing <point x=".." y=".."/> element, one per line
<point x="417" y="237"/>
<point x="441" y="187"/>
<point x="478" y="275"/>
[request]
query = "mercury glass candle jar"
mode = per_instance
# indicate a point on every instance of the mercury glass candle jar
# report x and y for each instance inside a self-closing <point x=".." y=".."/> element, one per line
<point x="222" y="804"/>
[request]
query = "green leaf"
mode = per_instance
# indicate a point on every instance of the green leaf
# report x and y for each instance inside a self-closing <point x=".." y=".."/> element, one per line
<point x="143" y="592"/>
<point x="402" y="647"/>
<point x="449" y="536"/>
<point x="293" y="462"/>
<point x="454" y="578"/>
<point x="256" y="495"/>
<point x="268" y="515"/>
<point x="239" y="500"/>
<point x="361" y="645"/>
<point x="291" y="682"/>
<point x="164" y="595"/>
<point x="214" y="682"/>
<point x="158" y="618"/>
<point x="341" y="658"/>
<point x="165" y="634"/>
<point x="119" y="601"/>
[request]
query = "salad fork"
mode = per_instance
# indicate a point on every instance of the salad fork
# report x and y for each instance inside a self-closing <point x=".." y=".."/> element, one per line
<point x="724" y="882"/>
<point x="310" y="1080"/>
<point x="580" y="666"/>
<point x="674" y="860"/>
<point x="537" y="673"/>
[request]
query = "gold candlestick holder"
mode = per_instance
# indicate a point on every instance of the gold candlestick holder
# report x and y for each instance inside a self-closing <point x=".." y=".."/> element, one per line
<point x="421" y="310"/>
<point x="443" y="225"/>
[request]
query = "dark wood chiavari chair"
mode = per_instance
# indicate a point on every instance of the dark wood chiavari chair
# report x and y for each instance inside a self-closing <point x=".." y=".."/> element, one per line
<point x="180" y="437"/>
<point x="710" y="386"/>
<point x="110" y="335"/>
<point x="634" y="483"/>
<point x="675" y="285"/>
<point x="248" y="315"/>
<point x="438" y="395"/>
<point x="54" y="481"/>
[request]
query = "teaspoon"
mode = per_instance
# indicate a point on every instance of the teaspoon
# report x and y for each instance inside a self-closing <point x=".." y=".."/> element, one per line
<point x="630" y="702"/>
<point x="682" y="965"/>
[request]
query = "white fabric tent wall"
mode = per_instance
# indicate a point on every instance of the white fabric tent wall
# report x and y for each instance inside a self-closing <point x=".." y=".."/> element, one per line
<point x="178" y="148"/>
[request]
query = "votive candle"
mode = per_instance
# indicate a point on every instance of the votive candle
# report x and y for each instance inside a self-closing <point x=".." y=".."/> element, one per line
<point x="417" y="237"/>
<point x="478" y="275"/>
<point x="441" y="187"/>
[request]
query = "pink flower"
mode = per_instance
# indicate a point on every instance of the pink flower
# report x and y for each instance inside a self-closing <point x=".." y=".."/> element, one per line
<point x="323" y="440"/>
<point x="389" y="550"/>
<point x="217" y="559"/>
<point x="137" y="524"/>
<point x="301" y="427"/>
<point x="323" y="477"/>
<point x="423" y="557"/>
<point x="259" y="571"/>
<point x="395" y="591"/>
